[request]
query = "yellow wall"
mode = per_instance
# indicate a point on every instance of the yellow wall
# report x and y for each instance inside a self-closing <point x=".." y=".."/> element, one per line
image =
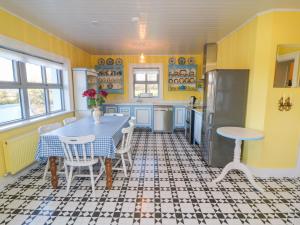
<point x="254" y="47"/>
<point x="19" y="29"/>
<point x="134" y="59"/>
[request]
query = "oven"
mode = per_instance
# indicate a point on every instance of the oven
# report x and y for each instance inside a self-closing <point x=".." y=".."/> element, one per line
<point x="189" y="124"/>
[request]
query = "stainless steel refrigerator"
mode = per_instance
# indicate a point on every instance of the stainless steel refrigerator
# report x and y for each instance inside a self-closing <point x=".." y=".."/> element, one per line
<point x="224" y="104"/>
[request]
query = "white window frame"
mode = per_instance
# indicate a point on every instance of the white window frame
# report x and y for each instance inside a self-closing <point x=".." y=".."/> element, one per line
<point x="159" y="66"/>
<point x="21" y="47"/>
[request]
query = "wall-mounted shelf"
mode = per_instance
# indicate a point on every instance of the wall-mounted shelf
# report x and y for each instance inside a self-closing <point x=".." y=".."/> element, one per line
<point x="110" y="78"/>
<point x="182" y="77"/>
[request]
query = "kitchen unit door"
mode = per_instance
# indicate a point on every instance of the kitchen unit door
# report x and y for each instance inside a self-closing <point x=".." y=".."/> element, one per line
<point x="179" y="117"/>
<point x="143" y="116"/>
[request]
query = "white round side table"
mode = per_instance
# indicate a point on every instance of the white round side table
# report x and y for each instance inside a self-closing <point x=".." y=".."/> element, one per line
<point x="239" y="134"/>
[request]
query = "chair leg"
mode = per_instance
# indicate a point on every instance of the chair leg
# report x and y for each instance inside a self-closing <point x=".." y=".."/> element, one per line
<point x="66" y="171"/>
<point x="102" y="164"/>
<point x="60" y="163"/>
<point x="129" y="158"/>
<point x="124" y="165"/>
<point x="69" y="179"/>
<point x="92" y="179"/>
<point x="46" y="170"/>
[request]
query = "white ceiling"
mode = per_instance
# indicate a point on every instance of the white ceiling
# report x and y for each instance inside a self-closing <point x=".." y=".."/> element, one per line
<point x="172" y="26"/>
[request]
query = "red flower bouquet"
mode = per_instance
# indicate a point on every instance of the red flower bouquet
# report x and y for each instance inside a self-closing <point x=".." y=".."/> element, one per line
<point x="95" y="99"/>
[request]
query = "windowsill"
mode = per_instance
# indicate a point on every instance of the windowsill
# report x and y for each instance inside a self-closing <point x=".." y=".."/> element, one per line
<point x="31" y="121"/>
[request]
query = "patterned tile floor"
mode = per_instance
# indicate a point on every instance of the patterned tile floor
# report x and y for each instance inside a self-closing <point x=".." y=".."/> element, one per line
<point x="168" y="184"/>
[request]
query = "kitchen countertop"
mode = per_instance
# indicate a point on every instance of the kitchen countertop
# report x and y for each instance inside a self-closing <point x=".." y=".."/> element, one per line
<point x="198" y="109"/>
<point x="173" y="103"/>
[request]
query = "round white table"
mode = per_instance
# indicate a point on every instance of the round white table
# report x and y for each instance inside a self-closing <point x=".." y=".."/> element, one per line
<point x="239" y="134"/>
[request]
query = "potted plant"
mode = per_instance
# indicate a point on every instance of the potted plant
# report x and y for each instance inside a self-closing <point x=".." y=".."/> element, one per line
<point x="94" y="101"/>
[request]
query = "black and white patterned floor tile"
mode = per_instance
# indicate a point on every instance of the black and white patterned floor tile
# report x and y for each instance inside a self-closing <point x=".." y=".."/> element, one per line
<point x="168" y="184"/>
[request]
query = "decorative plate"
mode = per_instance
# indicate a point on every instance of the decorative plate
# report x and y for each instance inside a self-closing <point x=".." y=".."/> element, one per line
<point x="170" y="81"/>
<point x="110" y="86"/>
<point x="109" y="61"/>
<point x="172" y="60"/>
<point x="176" y="81"/>
<point x="101" y="61"/>
<point x="119" y="61"/>
<point x="192" y="80"/>
<point x="181" y="80"/>
<point x="191" y="60"/>
<point x="182" y="87"/>
<point x="181" y="61"/>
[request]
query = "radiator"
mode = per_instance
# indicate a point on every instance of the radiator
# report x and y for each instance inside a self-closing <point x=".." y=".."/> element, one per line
<point x="19" y="151"/>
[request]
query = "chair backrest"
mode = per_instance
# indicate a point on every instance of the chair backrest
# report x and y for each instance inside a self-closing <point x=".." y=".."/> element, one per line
<point x="69" y="120"/>
<point x="127" y="137"/>
<point x="49" y="127"/>
<point x="113" y="114"/>
<point x="133" y="120"/>
<point x="78" y="149"/>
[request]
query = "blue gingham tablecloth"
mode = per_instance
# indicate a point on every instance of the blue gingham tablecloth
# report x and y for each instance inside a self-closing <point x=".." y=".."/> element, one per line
<point x="108" y="134"/>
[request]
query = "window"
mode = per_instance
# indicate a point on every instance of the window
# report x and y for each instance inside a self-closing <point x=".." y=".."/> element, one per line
<point x="37" y="103"/>
<point x="55" y="100"/>
<point x="28" y="90"/>
<point x="10" y="105"/>
<point x="51" y="76"/>
<point x="33" y="73"/>
<point x="146" y="82"/>
<point x="6" y="70"/>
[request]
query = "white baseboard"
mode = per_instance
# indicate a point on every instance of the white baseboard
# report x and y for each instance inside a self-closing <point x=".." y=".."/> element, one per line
<point x="277" y="173"/>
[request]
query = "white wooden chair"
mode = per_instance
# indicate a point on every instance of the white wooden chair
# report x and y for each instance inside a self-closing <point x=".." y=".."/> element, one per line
<point x="113" y="114"/>
<point x="69" y="120"/>
<point x="42" y="130"/>
<point x="133" y="120"/>
<point x="76" y="155"/>
<point x="125" y="148"/>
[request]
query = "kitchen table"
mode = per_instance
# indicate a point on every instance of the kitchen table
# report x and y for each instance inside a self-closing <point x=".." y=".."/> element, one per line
<point x="108" y="134"/>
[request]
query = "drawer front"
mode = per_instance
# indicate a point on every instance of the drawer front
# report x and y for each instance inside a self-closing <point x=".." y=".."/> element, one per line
<point x="126" y="110"/>
<point x="111" y="109"/>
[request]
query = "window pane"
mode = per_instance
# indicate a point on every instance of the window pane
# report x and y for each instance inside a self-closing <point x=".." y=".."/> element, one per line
<point x="36" y="98"/>
<point x="138" y="89"/>
<point x="10" y="107"/>
<point x="6" y="70"/>
<point x="51" y="75"/>
<point x="152" y="76"/>
<point x="55" y="100"/>
<point x="152" y="88"/>
<point x="140" y="76"/>
<point x="34" y="73"/>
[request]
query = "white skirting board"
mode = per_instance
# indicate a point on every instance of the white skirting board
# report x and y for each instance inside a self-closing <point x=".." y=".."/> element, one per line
<point x="277" y="173"/>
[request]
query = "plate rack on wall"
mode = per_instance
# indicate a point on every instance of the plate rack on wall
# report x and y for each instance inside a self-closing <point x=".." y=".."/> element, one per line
<point x="110" y="78"/>
<point x="182" y="77"/>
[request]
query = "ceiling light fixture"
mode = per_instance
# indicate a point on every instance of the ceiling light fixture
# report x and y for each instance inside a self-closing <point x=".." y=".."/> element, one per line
<point x="142" y="30"/>
<point x="142" y="58"/>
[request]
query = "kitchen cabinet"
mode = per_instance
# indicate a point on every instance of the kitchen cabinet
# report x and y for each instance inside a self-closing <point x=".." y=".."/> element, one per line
<point x="179" y="116"/>
<point x="126" y="110"/>
<point x="83" y="79"/>
<point x="197" y="127"/>
<point x="143" y="116"/>
<point x="110" y="109"/>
